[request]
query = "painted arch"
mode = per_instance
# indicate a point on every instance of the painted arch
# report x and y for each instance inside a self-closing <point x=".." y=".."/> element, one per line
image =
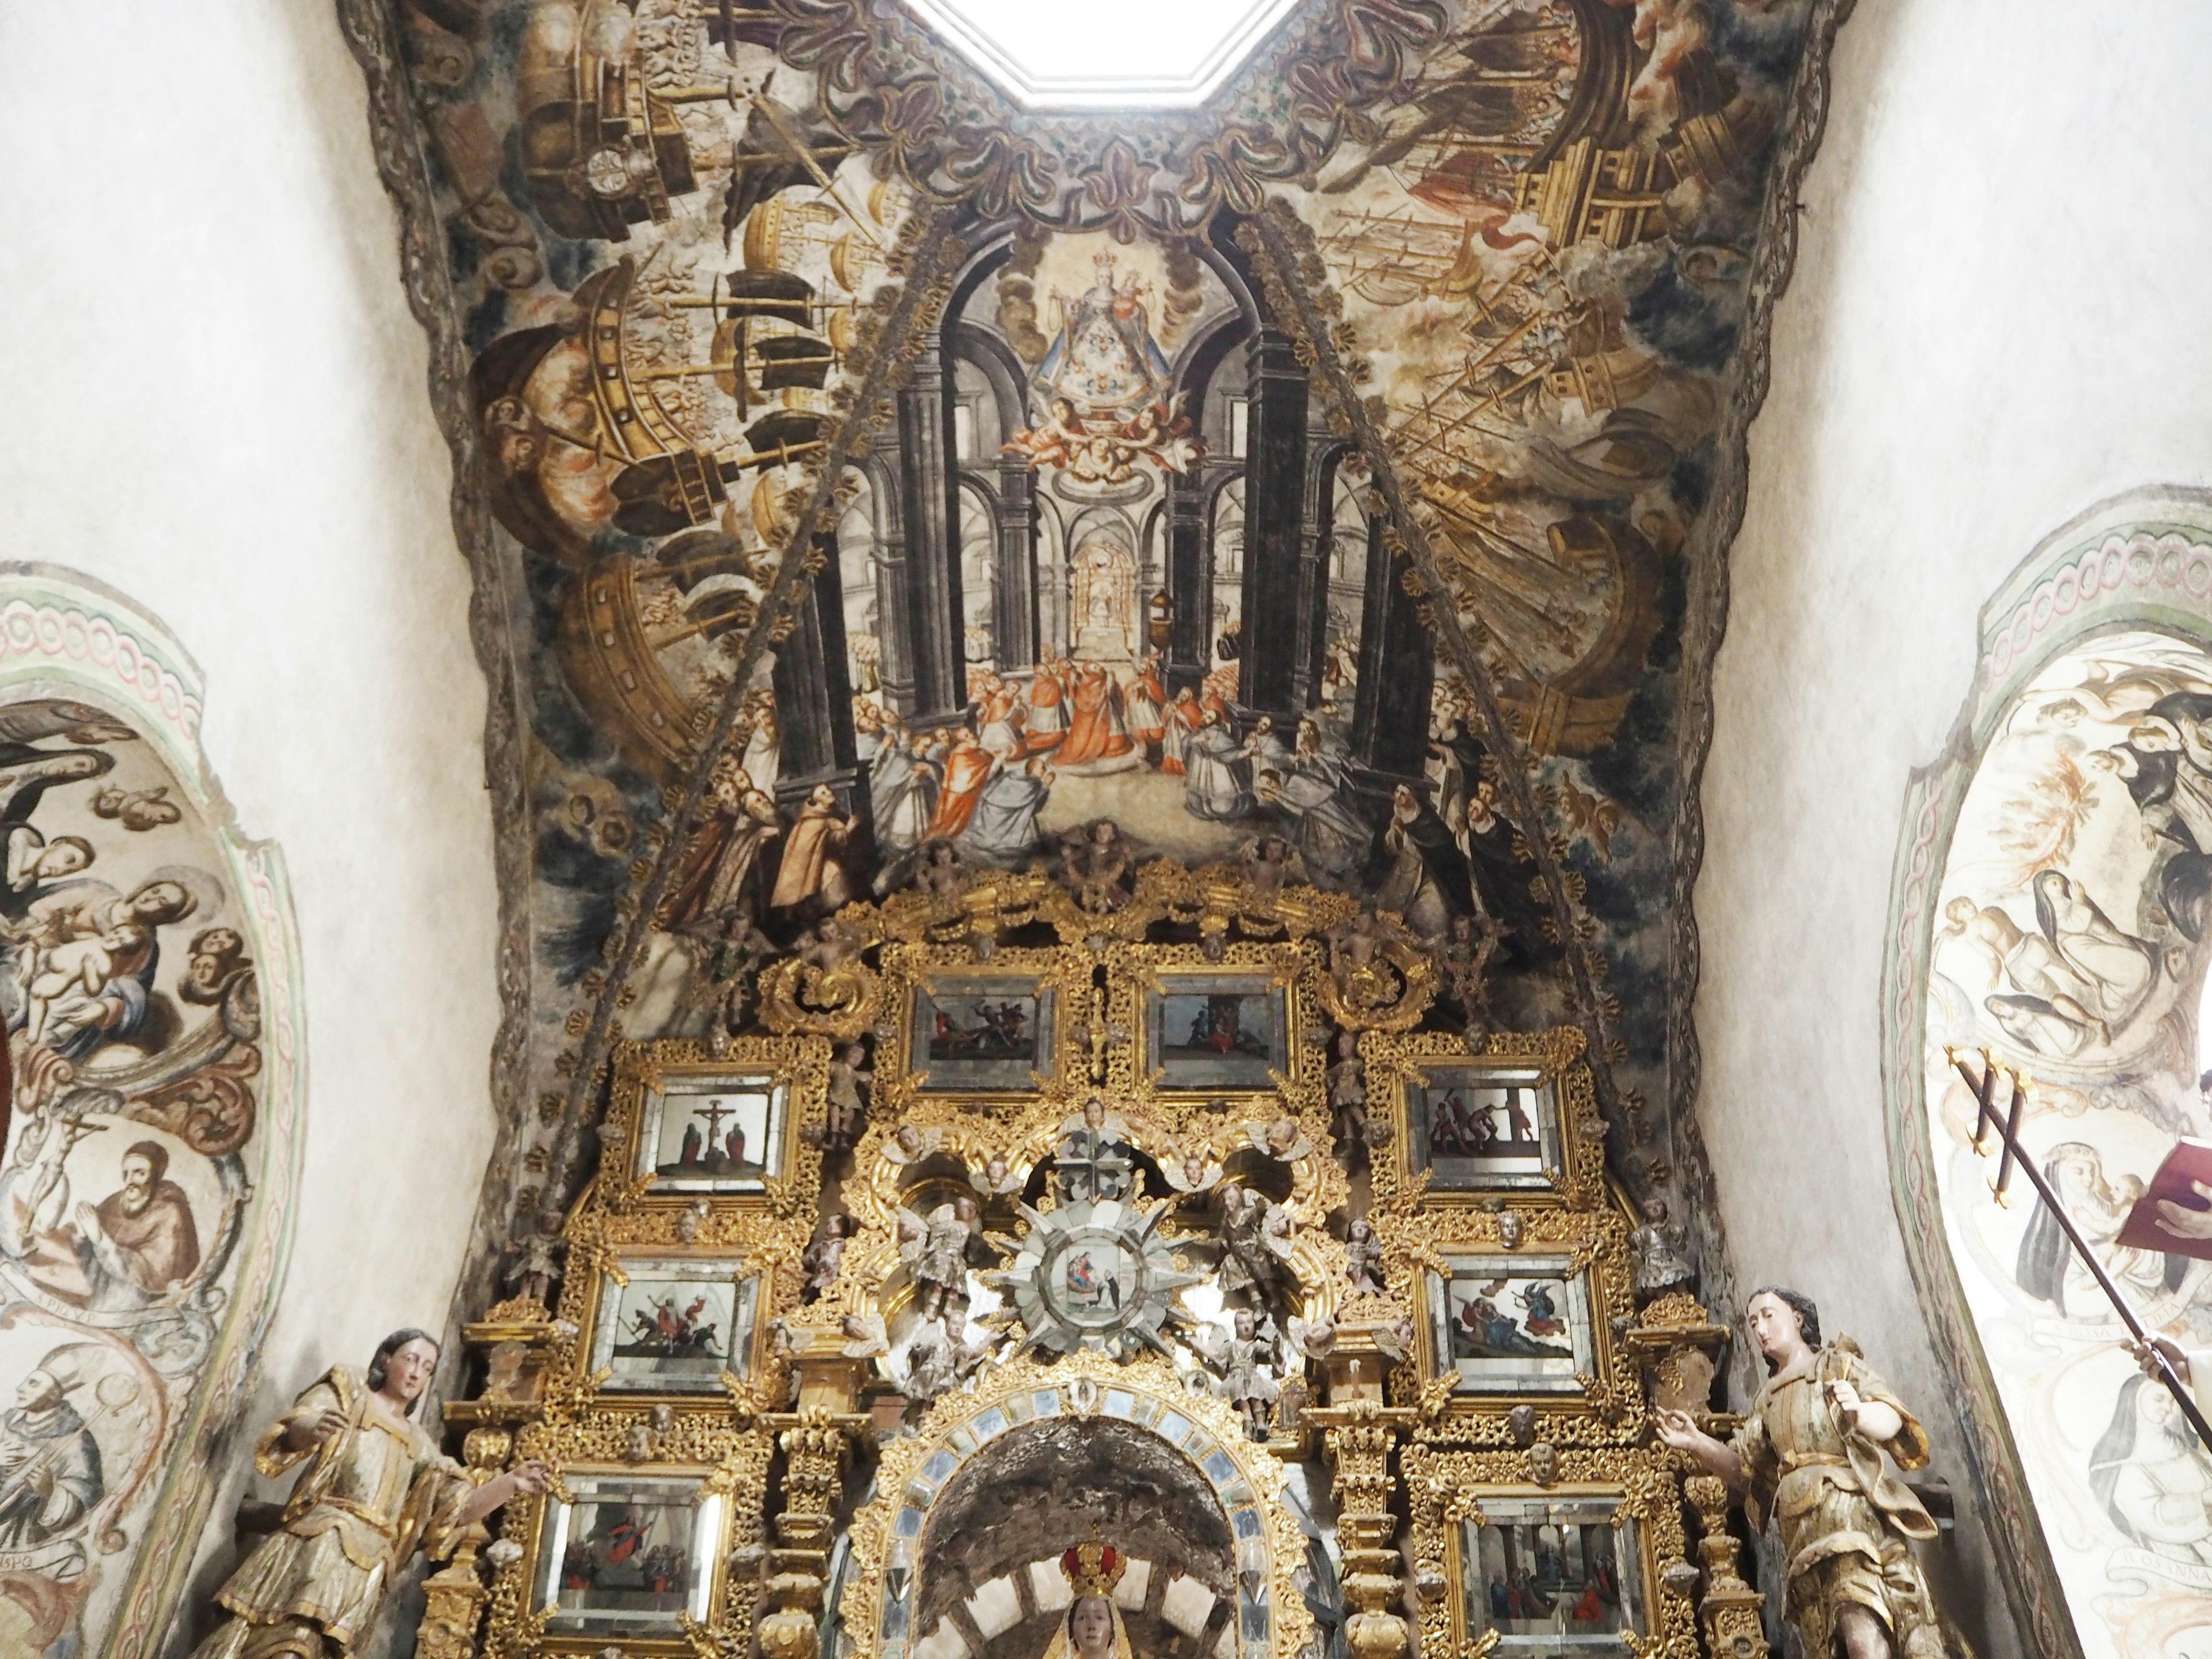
<point x="2050" y="905"/>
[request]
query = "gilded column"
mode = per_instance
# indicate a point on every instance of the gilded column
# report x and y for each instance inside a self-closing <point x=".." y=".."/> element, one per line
<point x="1360" y="1437"/>
<point x="816" y="1440"/>
<point x="1730" y="1611"/>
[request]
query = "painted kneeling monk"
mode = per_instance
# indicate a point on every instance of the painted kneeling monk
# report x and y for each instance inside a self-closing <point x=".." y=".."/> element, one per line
<point x="376" y="1490"/>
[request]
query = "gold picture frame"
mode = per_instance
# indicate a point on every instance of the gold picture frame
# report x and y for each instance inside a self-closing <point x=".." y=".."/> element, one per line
<point x="1632" y="1492"/>
<point x="670" y="1323"/>
<point x="665" y="1146"/>
<point x="1405" y="1076"/>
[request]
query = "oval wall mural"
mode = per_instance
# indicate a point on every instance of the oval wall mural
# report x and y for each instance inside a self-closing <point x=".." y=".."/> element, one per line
<point x="148" y="978"/>
<point x="2056" y="889"/>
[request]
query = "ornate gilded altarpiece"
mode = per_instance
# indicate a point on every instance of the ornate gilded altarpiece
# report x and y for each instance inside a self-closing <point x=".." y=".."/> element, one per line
<point x="1318" y="1316"/>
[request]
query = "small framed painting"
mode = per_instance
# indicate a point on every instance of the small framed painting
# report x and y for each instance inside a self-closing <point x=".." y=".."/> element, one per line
<point x="676" y="1325"/>
<point x="1516" y="1324"/>
<point x="1481" y="1126"/>
<point x="1551" y="1575"/>
<point x="977" y="1032"/>
<point x="628" y="1554"/>
<point x="714" y="1131"/>
<point x="1225" y="1031"/>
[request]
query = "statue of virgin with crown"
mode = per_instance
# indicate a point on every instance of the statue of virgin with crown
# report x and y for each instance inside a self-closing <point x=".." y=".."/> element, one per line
<point x="1092" y="1626"/>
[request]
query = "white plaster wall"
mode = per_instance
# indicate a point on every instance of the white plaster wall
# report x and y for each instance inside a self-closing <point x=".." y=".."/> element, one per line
<point x="1999" y="318"/>
<point x="212" y="397"/>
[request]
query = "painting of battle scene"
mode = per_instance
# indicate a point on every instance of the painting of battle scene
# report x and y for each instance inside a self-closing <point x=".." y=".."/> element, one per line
<point x="2070" y="942"/>
<point x="1403" y="620"/>
<point x="130" y="998"/>
<point x="983" y="1032"/>
<point x="675" y="1325"/>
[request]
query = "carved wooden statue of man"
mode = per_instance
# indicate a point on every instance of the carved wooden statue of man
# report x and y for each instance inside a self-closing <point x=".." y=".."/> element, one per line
<point x="375" y="1491"/>
<point x="1811" y="1451"/>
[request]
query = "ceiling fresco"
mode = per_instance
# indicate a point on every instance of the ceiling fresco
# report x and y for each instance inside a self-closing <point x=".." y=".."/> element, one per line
<point x="872" y="482"/>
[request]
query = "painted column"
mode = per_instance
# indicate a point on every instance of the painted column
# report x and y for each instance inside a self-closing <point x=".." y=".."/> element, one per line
<point x="929" y="591"/>
<point x="1315" y="530"/>
<point x="1190" y="586"/>
<point x="1274" y="527"/>
<point x="894" y="625"/>
<point x="1397" y="666"/>
<point x="1017" y="640"/>
<point x="814" y="694"/>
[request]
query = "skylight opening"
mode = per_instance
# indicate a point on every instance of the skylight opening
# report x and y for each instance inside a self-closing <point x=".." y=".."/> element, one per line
<point x="1152" y="54"/>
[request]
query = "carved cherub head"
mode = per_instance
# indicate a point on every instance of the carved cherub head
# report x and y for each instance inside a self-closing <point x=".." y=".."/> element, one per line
<point x="1544" y="1463"/>
<point x="1510" y="1227"/>
<point x="908" y="1140"/>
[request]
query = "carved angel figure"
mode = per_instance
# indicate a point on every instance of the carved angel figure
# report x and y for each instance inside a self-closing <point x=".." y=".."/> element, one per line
<point x="935" y="1252"/>
<point x="1248" y="1359"/>
<point x="850" y="1079"/>
<point x="826" y="1256"/>
<point x="1363" y="1259"/>
<point x="1281" y="1138"/>
<point x="375" y="1490"/>
<point x="1195" y="1171"/>
<point x="1000" y="1177"/>
<point x="938" y="1361"/>
<point x="1347" y="1091"/>
<point x="1810" y="1453"/>
<point x="1255" y="1238"/>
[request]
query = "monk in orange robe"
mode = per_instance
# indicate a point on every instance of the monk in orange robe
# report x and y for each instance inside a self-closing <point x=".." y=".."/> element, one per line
<point x="1048" y="716"/>
<point x="968" y="767"/>
<point x="1095" y="733"/>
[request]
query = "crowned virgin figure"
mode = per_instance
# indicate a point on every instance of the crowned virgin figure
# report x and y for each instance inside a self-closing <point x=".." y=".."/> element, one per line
<point x="1091" y="1628"/>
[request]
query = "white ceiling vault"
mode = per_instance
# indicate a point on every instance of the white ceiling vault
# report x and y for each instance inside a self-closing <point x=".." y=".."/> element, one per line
<point x="1146" y="54"/>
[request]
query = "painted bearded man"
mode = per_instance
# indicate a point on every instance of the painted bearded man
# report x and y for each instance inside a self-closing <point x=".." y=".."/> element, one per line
<point x="143" y="1233"/>
<point x="1811" y="1452"/>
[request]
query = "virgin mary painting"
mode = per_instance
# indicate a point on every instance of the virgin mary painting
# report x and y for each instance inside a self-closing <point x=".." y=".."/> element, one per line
<point x="1092" y="1627"/>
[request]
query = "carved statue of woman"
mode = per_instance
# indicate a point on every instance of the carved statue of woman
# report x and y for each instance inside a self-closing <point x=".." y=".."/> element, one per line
<point x="1091" y="1628"/>
<point x="376" y="1490"/>
<point x="1811" y="1451"/>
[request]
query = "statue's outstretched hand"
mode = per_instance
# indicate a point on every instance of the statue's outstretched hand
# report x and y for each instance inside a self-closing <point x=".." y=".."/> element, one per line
<point x="1677" y="1429"/>
<point x="531" y="1477"/>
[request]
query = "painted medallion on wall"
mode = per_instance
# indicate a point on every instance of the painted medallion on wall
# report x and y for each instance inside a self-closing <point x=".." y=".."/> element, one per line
<point x="136" y="933"/>
<point x="2070" y="930"/>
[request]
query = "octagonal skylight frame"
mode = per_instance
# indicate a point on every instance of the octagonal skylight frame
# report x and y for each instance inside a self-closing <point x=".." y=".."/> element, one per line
<point x="1054" y="56"/>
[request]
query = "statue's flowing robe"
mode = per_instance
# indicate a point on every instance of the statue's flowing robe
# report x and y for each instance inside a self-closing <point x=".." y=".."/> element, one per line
<point x="371" y="1496"/>
<point x="1846" y="1521"/>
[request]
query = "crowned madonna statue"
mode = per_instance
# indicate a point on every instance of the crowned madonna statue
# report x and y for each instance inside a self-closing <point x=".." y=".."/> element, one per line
<point x="1092" y="1627"/>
